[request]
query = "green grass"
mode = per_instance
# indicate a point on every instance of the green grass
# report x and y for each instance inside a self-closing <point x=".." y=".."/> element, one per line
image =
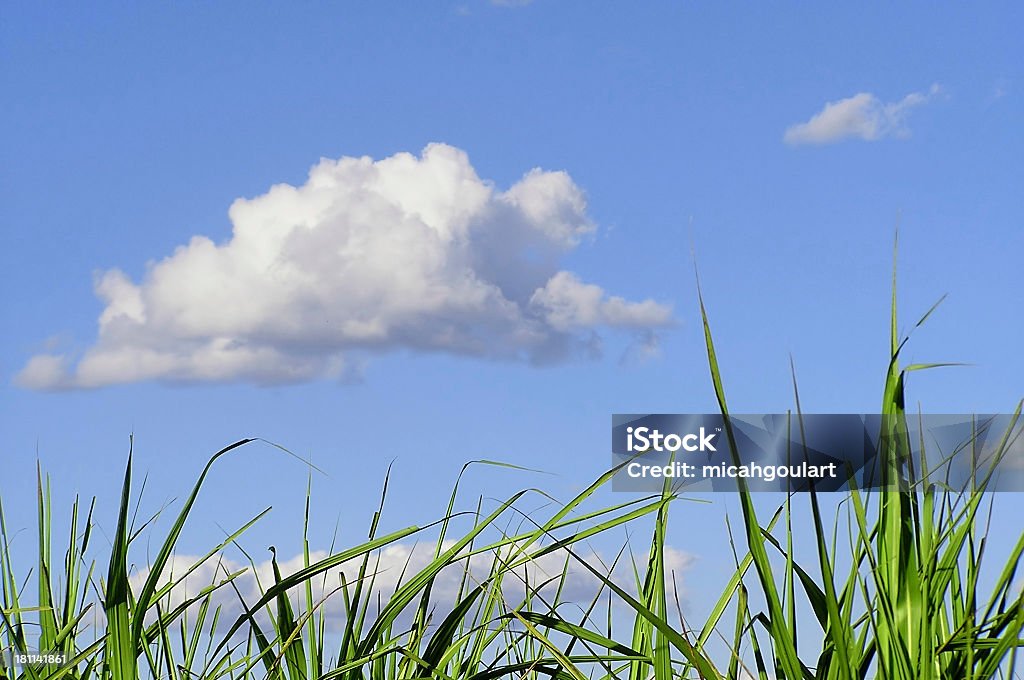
<point x="910" y="605"/>
<point x="894" y="592"/>
<point x="283" y="634"/>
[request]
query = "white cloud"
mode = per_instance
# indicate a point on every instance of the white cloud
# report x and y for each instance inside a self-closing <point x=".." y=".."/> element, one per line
<point x="414" y="253"/>
<point x="1000" y="89"/>
<point x="863" y="116"/>
<point x="394" y="566"/>
<point x="566" y="303"/>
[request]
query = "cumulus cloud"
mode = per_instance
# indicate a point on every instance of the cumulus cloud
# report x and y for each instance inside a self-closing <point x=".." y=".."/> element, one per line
<point x="862" y="116"/>
<point x="403" y="253"/>
<point x="394" y="566"/>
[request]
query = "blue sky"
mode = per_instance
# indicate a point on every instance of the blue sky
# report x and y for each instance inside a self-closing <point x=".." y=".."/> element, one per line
<point x="784" y="144"/>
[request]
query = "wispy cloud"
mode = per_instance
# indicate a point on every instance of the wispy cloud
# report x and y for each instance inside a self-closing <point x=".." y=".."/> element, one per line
<point x="405" y="253"/>
<point x="862" y="116"/>
<point x="1000" y="89"/>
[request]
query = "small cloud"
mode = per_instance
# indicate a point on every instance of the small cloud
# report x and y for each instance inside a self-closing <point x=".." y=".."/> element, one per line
<point x="1000" y="89"/>
<point x="557" y="573"/>
<point x="862" y="116"/>
<point x="405" y="253"/>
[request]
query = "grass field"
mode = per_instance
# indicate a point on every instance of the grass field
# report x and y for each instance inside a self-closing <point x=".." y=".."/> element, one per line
<point x="897" y="594"/>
